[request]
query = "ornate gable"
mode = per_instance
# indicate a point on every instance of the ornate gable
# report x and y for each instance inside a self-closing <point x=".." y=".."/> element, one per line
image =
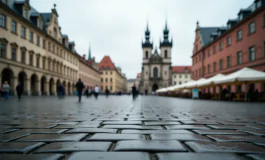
<point x="155" y="58"/>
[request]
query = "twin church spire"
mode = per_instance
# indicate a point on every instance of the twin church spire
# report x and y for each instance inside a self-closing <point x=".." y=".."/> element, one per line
<point x="165" y="43"/>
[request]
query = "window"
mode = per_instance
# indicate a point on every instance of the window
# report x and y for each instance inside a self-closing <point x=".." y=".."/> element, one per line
<point x="23" y="32"/>
<point x="179" y="82"/>
<point x="214" y="49"/>
<point x="23" y="57"/>
<point x="14" y="27"/>
<point x="175" y="83"/>
<point x="111" y="88"/>
<point x="209" y="68"/>
<point x="31" y="36"/>
<point x="38" y="62"/>
<point x="252" y="53"/>
<point x="54" y="33"/>
<point x="165" y="53"/>
<point x="179" y="76"/>
<point x="2" y="21"/>
<point x="38" y="41"/>
<point x="251" y="28"/>
<point x="239" y="35"/>
<point x="110" y="79"/>
<point x="31" y="59"/>
<point x="228" y="62"/>
<point x="209" y="53"/>
<point x="101" y="79"/>
<point x="53" y="49"/>
<point x="49" y="46"/>
<point x="146" y="54"/>
<point x="214" y="67"/>
<point x="186" y="70"/>
<point x="186" y="76"/>
<point x="155" y="71"/>
<point x="165" y="72"/>
<point x="229" y="41"/>
<point x="110" y="72"/>
<point x="221" y="64"/>
<point x="239" y="58"/>
<point x="25" y="13"/>
<point x="3" y="50"/>
<point x="221" y="46"/>
<point x="106" y="79"/>
<point x="14" y="54"/>
<point x="106" y="72"/>
<point x="43" y="63"/>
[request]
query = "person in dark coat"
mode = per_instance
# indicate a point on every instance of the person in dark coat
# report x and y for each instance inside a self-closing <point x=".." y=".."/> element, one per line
<point x="107" y="92"/>
<point x="60" y="91"/>
<point x="134" y="91"/>
<point x="19" y="90"/>
<point x="79" y="87"/>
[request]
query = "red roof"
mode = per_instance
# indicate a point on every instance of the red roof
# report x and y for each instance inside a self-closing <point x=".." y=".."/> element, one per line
<point x="181" y="69"/>
<point x="139" y="74"/>
<point x="106" y="63"/>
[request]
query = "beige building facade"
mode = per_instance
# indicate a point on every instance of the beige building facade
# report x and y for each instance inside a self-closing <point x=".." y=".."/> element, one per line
<point x="181" y="74"/>
<point x="34" y="52"/>
<point x="111" y="77"/>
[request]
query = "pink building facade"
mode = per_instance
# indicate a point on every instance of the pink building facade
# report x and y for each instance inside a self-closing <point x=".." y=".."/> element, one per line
<point x="227" y="49"/>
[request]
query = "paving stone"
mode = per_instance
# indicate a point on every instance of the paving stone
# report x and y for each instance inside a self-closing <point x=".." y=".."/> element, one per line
<point x="18" y="147"/>
<point x="144" y="145"/>
<point x="12" y="136"/>
<point x="115" y="137"/>
<point x="109" y="156"/>
<point x="132" y="127"/>
<point x="61" y="147"/>
<point x="31" y="156"/>
<point x="227" y="127"/>
<point x="92" y="130"/>
<point x="257" y="132"/>
<point x="198" y="127"/>
<point x="237" y="138"/>
<point x="198" y="156"/>
<point x="257" y="156"/>
<point x="70" y="123"/>
<point x="157" y="123"/>
<point x="6" y="130"/>
<point x="199" y="122"/>
<point x="42" y="131"/>
<point x="35" y="126"/>
<point x="67" y="126"/>
<point x="121" y="122"/>
<point x="143" y="119"/>
<point x="52" y="138"/>
<point x="225" y="147"/>
<point x="256" y="126"/>
<point x="127" y="131"/>
<point x="179" y="137"/>
<point x="218" y="132"/>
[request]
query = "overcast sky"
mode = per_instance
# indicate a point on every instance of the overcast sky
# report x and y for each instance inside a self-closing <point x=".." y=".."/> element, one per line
<point x="116" y="27"/>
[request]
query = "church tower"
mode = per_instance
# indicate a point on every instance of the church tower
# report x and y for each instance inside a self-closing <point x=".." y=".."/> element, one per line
<point x="147" y="46"/>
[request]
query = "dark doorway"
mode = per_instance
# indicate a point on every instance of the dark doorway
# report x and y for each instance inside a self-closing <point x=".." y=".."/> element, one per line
<point x="155" y="87"/>
<point x="43" y="83"/>
<point x="33" y="85"/>
<point x="51" y="83"/>
<point x="7" y="75"/>
<point x="69" y="88"/>
<point x="22" y="79"/>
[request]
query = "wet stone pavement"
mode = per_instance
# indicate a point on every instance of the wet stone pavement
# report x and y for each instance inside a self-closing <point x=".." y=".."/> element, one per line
<point x="149" y="128"/>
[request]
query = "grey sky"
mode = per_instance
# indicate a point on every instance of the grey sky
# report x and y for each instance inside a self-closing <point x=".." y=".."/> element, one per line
<point x="116" y="27"/>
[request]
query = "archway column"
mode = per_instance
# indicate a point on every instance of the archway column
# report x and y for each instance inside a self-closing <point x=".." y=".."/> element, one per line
<point x="46" y="88"/>
<point x="66" y="90"/>
<point x="38" y="85"/>
<point x="15" y="81"/>
<point x="54" y="88"/>
<point x="28" y="85"/>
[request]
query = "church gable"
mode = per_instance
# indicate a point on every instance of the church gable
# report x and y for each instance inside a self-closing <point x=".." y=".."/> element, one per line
<point x="156" y="58"/>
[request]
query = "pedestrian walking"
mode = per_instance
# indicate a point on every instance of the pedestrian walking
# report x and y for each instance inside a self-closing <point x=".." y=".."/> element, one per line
<point x="79" y="87"/>
<point x="19" y="90"/>
<point x="134" y="91"/>
<point x="6" y="89"/>
<point x="60" y="90"/>
<point x="96" y="91"/>
<point x="107" y="92"/>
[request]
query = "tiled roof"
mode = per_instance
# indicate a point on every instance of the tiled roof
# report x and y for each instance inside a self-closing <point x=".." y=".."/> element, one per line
<point x="181" y="69"/>
<point x="206" y="33"/>
<point x="106" y="63"/>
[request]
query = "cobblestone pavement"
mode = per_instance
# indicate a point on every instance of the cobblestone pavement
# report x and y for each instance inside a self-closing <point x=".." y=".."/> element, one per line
<point x="149" y="128"/>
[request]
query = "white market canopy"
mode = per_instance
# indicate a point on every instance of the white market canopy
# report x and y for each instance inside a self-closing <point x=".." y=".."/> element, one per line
<point x="194" y="83"/>
<point x="242" y="75"/>
<point x="210" y="81"/>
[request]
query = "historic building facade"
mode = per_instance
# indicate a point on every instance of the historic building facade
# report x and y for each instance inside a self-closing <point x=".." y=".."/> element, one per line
<point x="111" y="76"/>
<point x="181" y="74"/>
<point x="241" y="43"/>
<point x="156" y="67"/>
<point x="33" y="51"/>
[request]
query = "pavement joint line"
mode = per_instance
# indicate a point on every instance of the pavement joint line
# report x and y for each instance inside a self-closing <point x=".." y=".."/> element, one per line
<point x="112" y="146"/>
<point x="33" y="150"/>
<point x="153" y="156"/>
<point x="119" y="131"/>
<point x="186" y="146"/>
<point x="163" y="126"/>
<point x="147" y="137"/>
<point x="86" y="137"/>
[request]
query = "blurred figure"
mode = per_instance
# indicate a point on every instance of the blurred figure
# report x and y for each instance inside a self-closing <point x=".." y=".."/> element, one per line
<point x="79" y="87"/>
<point x="107" y="92"/>
<point x="19" y="90"/>
<point x="60" y="90"/>
<point x="134" y="91"/>
<point x="5" y="89"/>
<point x="96" y="91"/>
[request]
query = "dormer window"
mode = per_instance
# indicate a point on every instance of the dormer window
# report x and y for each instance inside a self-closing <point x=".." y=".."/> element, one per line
<point x="240" y="16"/>
<point x="186" y="70"/>
<point x="4" y="1"/>
<point x="258" y="3"/>
<point x="219" y="33"/>
<point x="25" y="13"/>
<point x="54" y="33"/>
<point x="229" y="25"/>
<point x="212" y="39"/>
<point x="39" y="24"/>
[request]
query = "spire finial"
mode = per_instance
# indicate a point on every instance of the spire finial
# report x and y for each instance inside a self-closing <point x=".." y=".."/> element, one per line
<point x="198" y="23"/>
<point x="89" y="53"/>
<point x="54" y="5"/>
